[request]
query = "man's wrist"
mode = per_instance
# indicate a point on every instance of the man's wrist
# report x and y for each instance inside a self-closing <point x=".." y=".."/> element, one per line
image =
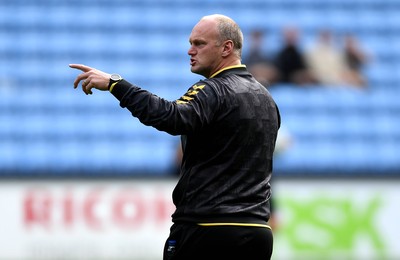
<point x="114" y="79"/>
<point x="122" y="88"/>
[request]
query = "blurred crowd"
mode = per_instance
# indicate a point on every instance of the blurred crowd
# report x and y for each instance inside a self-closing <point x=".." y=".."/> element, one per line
<point x="325" y="62"/>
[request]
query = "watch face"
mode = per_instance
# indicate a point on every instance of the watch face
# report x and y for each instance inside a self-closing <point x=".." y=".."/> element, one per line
<point x="115" y="77"/>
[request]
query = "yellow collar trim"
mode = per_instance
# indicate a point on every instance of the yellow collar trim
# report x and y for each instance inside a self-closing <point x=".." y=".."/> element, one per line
<point x="227" y="68"/>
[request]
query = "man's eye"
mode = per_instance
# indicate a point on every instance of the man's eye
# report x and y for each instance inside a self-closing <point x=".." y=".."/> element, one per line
<point x="198" y="43"/>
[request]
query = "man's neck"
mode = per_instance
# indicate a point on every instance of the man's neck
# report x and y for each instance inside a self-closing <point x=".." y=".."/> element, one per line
<point x="224" y="65"/>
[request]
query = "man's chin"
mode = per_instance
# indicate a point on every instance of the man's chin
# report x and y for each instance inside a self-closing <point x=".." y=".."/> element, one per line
<point x="195" y="70"/>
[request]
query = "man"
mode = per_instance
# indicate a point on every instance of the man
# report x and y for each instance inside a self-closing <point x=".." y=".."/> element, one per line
<point x="290" y="61"/>
<point x="260" y="65"/>
<point x="326" y="62"/>
<point x="228" y="123"/>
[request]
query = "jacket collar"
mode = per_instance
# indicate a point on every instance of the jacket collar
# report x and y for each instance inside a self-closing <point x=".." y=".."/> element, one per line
<point x="229" y="70"/>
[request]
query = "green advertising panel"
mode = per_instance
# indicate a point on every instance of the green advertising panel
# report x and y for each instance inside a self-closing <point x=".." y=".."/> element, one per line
<point x="349" y="220"/>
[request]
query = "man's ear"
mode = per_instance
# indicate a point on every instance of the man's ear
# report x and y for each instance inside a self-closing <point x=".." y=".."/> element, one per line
<point x="228" y="48"/>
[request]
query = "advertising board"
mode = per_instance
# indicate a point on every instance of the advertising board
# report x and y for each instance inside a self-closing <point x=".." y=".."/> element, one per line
<point x="316" y="219"/>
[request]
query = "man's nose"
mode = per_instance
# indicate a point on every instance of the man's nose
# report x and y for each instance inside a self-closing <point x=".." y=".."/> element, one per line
<point x="191" y="51"/>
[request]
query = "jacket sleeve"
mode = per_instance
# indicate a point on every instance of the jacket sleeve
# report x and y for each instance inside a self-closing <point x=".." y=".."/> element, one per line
<point x="194" y="110"/>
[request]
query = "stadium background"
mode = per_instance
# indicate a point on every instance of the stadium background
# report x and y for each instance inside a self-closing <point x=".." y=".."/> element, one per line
<point x="346" y="142"/>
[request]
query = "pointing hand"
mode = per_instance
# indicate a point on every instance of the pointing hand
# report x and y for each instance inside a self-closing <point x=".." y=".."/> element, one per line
<point x="92" y="78"/>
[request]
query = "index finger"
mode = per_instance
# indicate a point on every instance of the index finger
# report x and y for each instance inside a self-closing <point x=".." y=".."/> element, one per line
<point x="80" y="77"/>
<point x="81" y="67"/>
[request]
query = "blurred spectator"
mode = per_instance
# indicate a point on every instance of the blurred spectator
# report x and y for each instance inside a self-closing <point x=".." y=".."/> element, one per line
<point x="258" y="63"/>
<point x="355" y="58"/>
<point x="326" y="61"/>
<point x="290" y="61"/>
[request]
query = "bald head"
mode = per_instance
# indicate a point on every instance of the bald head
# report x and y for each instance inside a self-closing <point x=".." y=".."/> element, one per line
<point x="227" y="29"/>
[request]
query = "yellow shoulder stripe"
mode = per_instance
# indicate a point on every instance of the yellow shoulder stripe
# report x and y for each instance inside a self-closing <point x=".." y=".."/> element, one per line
<point x="186" y="98"/>
<point x="191" y="92"/>
<point x="198" y="87"/>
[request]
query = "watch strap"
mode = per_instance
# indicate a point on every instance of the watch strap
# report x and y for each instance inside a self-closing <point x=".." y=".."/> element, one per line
<point x="113" y="82"/>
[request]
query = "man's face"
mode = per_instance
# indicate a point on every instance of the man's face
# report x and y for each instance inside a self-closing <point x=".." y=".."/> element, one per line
<point x="205" y="54"/>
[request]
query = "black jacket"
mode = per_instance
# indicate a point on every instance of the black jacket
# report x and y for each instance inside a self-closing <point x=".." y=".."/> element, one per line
<point x="229" y="125"/>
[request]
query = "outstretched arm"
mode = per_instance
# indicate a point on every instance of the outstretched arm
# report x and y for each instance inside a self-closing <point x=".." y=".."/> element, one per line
<point x="92" y="78"/>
